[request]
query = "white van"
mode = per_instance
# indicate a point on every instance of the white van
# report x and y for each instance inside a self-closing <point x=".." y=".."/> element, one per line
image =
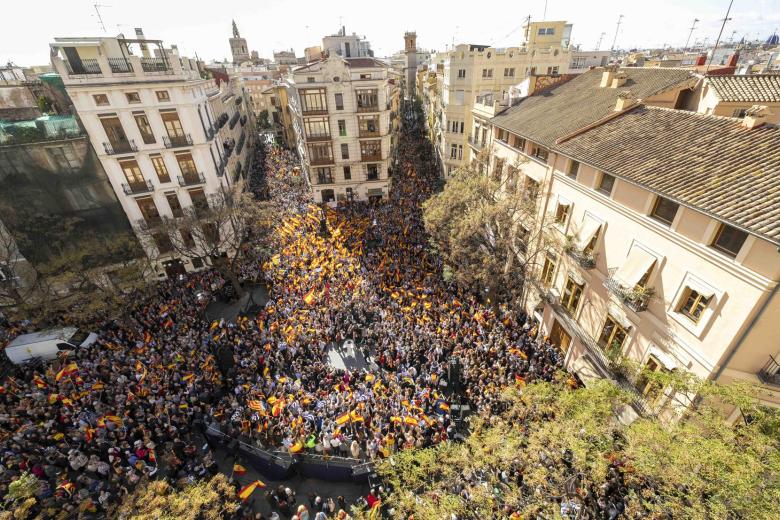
<point x="46" y="344"/>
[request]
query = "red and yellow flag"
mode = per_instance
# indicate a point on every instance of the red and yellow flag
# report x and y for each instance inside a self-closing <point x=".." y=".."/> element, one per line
<point x="238" y="469"/>
<point x="69" y="369"/>
<point x="343" y="419"/>
<point x="308" y="299"/>
<point x="245" y="492"/>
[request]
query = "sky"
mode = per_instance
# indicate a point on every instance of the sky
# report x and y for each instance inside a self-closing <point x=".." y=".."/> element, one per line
<point x="204" y="26"/>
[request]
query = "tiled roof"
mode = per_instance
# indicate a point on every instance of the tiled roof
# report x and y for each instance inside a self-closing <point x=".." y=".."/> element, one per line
<point x="362" y="63"/>
<point x="577" y="103"/>
<point x="751" y="89"/>
<point x="711" y="163"/>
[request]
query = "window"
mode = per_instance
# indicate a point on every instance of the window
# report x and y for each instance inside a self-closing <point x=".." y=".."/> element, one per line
<point x="511" y="178"/>
<point x="365" y="76"/>
<point x="531" y="191"/>
<point x="606" y="183"/>
<point x="509" y="73"/>
<point x="132" y="172"/>
<point x="199" y="201"/>
<point x="148" y="210"/>
<point x="317" y="127"/>
<point x="101" y="100"/>
<point x="320" y="153"/>
<point x="133" y="97"/>
<point x="327" y="196"/>
<point x="342" y="128"/>
<point x="163" y="242"/>
<point x="540" y="153"/>
<point x="372" y="172"/>
<point x="116" y="134"/>
<point x="693" y="304"/>
<point x="186" y="164"/>
<point x="487" y="73"/>
<point x="160" y="168"/>
<point x="739" y="112"/>
<point x="552" y="70"/>
<point x="162" y="95"/>
<point x="350" y="195"/>
<point x="370" y="150"/>
<point x="173" y="202"/>
<point x="498" y="169"/>
<point x="314" y="100"/>
<point x="345" y="151"/>
<point x="650" y="389"/>
<point x="347" y="174"/>
<point x="172" y="124"/>
<point x="573" y="169"/>
<point x="518" y="142"/>
<point x="144" y="128"/>
<point x="339" y="102"/>
<point x="368" y="126"/>
<point x="324" y="175"/>
<point x="453" y="151"/>
<point x="548" y="271"/>
<point x="211" y="233"/>
<point x="562" y="212"/>
<point x="63" y="157"/>
<point x="367" y="99"/>
<point x="571" y="295"/>
<point x="310" y="79"/>
<point x="189" y="241"/>
<point x="461" y="73"/>
<point x="612" y="336"/>
<point x="729" y="240"/>
<point x="664" y="210"/>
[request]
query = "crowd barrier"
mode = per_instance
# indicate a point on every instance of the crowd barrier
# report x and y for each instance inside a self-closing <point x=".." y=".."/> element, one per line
<point x="277" y="465"/>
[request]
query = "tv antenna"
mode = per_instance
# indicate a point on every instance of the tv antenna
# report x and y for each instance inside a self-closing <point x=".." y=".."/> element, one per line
<point x="598" y="44"/>
<point x="693" y="26"/>
<point x="99" y="17"/>
<point x="617" y="30"/>
<point x="717" y="41"/>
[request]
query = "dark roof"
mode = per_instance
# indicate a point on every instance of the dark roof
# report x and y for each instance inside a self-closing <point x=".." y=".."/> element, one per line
<point x="577" y="103"/>
<point x="756" y="88"/>
<point x="711" y="163"/>
<point x="364" y="62"/>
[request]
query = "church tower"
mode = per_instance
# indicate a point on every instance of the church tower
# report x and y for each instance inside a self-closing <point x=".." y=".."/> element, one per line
<point x="410" y="49"/>
<point x="238" y="47"/>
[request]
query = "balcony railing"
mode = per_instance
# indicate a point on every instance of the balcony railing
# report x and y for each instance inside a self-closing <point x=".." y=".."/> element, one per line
<point x="191" y="179"/>
<point x="210" y="132"/>
<point x="119" y="65"/>
<point x="234" y="120"/>
<point x="240" y="145"/>
<point x="635" y="298"/>
<point x="369" y="133"/>
<point x="87" y="66"/>
<point x="136" y="188"/>
<point x="243" y="120"/>
<point x="586" y="259"/>
<point x="155" y="65"/>
<point x="324" y="179"/>
<point x="319" y="161"/>
<point x="770" y="372"/>
<point x="221" y="167"/>
<point x="120" y="147"/>
<point x="371" y="157"/>
<point x="318" y="137"/>
<point x="475" y="143"/>
<point x="368" y="108"/>
<point x="221" y="120"/>
<point x="176" y="141"/>
<point x="147" y="223"/>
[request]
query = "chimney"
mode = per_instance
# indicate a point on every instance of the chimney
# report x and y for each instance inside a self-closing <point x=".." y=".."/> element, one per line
<point x="139" y="35"/>
<point x="733" y="59"/>
<point x="701" y="60"/>
<point x="607" y="76"/>
<point x="755" y="116"/>
<point x="619" y="79"/>
<point x="625" y="101"/>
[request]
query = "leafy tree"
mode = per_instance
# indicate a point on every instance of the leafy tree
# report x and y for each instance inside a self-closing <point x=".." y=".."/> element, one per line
<point x="264" y="121"/>
<point x="214" y="499"/>
<point x="488" y="233"/>
<point x="555" y="445"/>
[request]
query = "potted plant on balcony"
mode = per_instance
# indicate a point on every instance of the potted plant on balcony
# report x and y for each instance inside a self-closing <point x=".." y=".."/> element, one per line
<point x="638" y="297"/>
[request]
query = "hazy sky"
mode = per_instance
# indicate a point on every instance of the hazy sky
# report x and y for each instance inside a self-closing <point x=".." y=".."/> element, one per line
<point x="203" y="26"/>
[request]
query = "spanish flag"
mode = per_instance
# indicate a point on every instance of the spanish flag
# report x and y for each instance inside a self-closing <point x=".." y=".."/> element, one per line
<point x="375" y="510"/>
<point x="69" y="369"/>
<point x="395" y="419"/>
<point x="519" y="380"/>
<point x="245" y="492"/>
<point x="40" y="383"/>
<point x="68" y="487"/>
<point x="97" y="386"/>
<point x="276" y="409"/>
<point x="356" y="417"/>
<point x="411" y="420"/>
<point x="238" y="469"/>
<point x="188" y="377"/>
<point x="343" y="419"/>
<point x="308" y="299"/>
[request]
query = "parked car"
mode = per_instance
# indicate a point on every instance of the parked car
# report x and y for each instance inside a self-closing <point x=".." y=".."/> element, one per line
<point x="47" y="344"/>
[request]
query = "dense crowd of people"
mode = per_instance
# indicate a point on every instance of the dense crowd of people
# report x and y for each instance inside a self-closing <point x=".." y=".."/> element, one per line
<point x="136" y="403"/>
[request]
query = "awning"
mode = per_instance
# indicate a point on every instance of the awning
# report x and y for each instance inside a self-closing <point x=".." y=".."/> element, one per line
<point x="638" y="263"/>
<point x="666" y="360"/>
<point x="589" y="230"/>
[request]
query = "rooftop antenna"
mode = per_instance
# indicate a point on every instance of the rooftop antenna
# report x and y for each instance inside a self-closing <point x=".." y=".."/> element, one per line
<point x="731" y="38"/>
<point x="720" y="33"/>
<point x="544" y="16"/>
<point x="693" y="26"/>
<point x="598" y="44"/>
<point x="617" y="29"/>
<point x="100" y="18"/>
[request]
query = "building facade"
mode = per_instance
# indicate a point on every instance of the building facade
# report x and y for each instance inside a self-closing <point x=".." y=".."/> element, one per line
<point x="649" y="266"/>
<point x="347" y="45"/>
<point x="345" y="117"/>
<point x="157" y="132"/>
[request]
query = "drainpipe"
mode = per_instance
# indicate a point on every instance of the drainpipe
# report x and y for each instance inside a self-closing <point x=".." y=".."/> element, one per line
<point x="716" y="375"/>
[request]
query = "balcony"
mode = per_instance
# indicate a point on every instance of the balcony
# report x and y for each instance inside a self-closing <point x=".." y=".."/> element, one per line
<point x="240" y="145"/>
<point x="324" y="179"/>
<point x="137" y="188"/>
<point x="149" y="222"/>
<point x="120" y="147"/>
<point x="158" y="65"/>
<point x="368" y="108"/>
<point x="85" y="67"/>
<point x="376" y="156"/>
<point x="770" y="372"/>
<point x="221" y="167"/>
<point x="318" y="137"/>
<point x="221" y="120"/>
<point x="210" y="132"/>
<point x="369" y="133"/>
<point x="234" y="120"/>
<point x="191" y="179"/>
<point x="177" y="141"/>
<point x="475" y="143"/>
<point x="636" y="298"/>
<point x="585" y="259"/>
<point x="120" y="65"/>
<point x="243" y="120"/>
<point x="321" y="161"/>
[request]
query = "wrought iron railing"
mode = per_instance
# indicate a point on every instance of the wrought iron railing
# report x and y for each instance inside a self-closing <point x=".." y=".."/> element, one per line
<point x="120" y="147"/>
<point x="190" y="179"/>
<point x="635" y="298"/>
<point x="86" y="66"/>
<point x="175" y="141"/>
<point x="240" y="145"/>
<point x="135" y="188"/>
<point x="770" y="372"/>
<point x="119" y="65"/>
<point x="221" y="120"/>
<point x="476" y="143"/>
<point x="234" y="119"/>
<point x="586" y="259"/>
<point x="155" y="65"/>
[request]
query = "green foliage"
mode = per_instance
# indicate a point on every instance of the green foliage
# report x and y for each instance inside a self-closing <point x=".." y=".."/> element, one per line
<point x="264" y="120"/>
<point x="24" y="487"/>
<point x="699" y="468"/>
<point x="44" y="105"/>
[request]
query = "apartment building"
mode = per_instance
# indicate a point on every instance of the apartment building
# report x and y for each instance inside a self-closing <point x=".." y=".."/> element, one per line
<point x="159" y="130"/>
<point x="345" y="117"/>
<point x="667" y="226"/>
<point x="733" y="96"/>
<point x="347" y="45"/>
<point x="477" y="70"/>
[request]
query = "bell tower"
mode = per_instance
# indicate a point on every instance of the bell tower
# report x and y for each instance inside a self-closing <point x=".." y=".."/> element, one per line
<point x="410" y="49"/>
<point x="238" y="46"/>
